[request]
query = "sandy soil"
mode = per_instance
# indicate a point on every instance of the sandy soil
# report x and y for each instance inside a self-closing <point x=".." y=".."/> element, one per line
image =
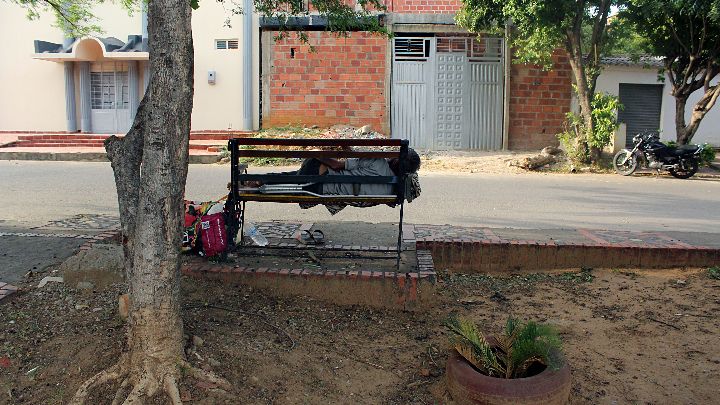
<point x="630" y="337"/>
<point x="474" y="162"/>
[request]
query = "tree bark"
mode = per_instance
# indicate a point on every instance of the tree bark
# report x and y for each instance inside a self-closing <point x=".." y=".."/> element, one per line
<point x="583" y="92"/>
<point x="150" y="165"/>
<point x="685" y="132"/>
<point x="680" y="128"/>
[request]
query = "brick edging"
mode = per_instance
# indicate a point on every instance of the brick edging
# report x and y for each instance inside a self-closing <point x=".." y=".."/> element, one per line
<point x="203" y="268"/>
<point x="484" y="255"/>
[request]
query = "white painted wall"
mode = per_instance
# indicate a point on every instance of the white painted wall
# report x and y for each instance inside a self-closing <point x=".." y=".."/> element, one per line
<point x="709" y="131"/>
<point x="32" y="92"/>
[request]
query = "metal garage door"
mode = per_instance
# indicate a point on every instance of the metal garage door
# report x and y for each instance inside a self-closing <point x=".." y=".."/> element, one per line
<point x="412" y="75"/>
<point x="447" y="92"/>
<point x="642" y="106"/>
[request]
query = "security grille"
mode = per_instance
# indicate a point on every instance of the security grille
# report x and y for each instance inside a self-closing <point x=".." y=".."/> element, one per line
<point x="412" y="49"/>
<point x="109" y="90"/>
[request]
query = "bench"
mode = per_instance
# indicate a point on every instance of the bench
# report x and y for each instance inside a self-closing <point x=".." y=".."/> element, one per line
<point x="287" y="188"/>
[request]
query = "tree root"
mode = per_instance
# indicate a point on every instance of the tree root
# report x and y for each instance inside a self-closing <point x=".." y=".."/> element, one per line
<point x="147" y="385"/>
<point x="113" y="373"/>
<point x="208" y="377"/>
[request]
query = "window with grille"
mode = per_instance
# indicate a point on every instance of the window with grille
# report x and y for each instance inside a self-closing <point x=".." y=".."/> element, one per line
<point x="109" y="90"/>
<point x="412" y="49"/>
<point x="226" y="44"/>
<point x="486" y="49"/>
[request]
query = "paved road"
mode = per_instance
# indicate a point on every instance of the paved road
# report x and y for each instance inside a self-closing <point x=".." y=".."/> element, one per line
<point x="33" y="193"/>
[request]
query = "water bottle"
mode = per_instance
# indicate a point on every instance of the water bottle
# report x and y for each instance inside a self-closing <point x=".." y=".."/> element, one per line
<point x="254" y="234"/>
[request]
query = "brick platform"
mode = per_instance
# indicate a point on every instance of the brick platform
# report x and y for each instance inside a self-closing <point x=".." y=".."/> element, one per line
<point x="382" y="289"/>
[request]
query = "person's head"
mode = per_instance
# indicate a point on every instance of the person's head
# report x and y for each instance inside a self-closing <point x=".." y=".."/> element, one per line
<point x="411" y="163"/>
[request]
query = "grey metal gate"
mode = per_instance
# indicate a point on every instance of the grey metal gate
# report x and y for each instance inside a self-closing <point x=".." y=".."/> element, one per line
<point x="450" y="101"/>
<point x="412" y="65"/>
<point x="642" y="104"/>
<point x="469" y="83"/>
<point x="447" y="92"/>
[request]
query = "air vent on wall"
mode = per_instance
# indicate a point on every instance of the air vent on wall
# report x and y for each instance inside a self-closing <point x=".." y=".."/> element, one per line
<point x="226" y="44"/>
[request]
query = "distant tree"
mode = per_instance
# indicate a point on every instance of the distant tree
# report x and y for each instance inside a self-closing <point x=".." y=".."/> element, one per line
<point x="150" y="165"/>
<point x="686" y="34"/>
<point x="622" y="39"/>
<point x="539" y="27"/>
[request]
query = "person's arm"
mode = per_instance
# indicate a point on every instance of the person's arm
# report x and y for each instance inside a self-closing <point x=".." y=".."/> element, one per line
<point x="335" y="164"/>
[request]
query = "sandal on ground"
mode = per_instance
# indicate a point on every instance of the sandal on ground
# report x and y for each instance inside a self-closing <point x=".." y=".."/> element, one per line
<point x="316" y="237"/>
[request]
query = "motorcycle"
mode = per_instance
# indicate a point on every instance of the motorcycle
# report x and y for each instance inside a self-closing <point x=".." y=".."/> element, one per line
<point x="681" y="161"/>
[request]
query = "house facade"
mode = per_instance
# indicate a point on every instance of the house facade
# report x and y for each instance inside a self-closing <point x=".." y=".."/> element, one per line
<point x="432" y="83"/>
<point x="648" y="102"/>
<point x="94" y="84"/>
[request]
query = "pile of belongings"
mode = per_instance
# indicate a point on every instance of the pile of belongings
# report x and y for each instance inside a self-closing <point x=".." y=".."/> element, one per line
<point x="205" y="232"/>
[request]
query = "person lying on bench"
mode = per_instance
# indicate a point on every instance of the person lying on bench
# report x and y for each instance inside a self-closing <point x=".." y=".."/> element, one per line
<point x="351" y="167"/>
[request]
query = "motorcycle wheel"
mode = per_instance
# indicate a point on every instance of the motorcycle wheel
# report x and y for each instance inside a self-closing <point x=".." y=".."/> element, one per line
<point x="628" y="167"/>
<point x="691" y="167"/>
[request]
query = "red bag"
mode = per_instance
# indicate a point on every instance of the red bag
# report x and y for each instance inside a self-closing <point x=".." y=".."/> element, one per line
<point x="212" y="234"/>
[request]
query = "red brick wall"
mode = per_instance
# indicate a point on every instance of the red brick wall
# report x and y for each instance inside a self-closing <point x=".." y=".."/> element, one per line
<point x="423" y="6"/>
<point x="538" y="102"/>
<point x="342" y="82"/>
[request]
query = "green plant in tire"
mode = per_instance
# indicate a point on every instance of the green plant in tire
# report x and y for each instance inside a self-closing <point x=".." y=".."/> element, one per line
<point x="513" y="354"/>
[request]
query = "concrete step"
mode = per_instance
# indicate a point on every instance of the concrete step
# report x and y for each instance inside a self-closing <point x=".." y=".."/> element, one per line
<point x="214" y="136"/>
<point x="59" y="144"/>
<point x="59" y="137"/>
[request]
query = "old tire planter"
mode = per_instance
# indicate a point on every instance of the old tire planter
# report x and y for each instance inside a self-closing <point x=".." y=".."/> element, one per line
<point x="467" y="386"/>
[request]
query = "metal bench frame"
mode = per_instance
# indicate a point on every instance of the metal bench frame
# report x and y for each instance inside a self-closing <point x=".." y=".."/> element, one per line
<point x="239" y="195"/>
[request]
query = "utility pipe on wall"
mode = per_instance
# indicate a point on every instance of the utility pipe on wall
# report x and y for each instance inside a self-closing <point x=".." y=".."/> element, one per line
<point x="247" y="123"/>
<point x="507" y="61"/>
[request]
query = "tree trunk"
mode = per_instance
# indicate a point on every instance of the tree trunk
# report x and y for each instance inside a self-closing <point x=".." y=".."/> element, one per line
<point x="680" y="128"/>
<point x="150" y="166"/>
<point x="584" y="98"/>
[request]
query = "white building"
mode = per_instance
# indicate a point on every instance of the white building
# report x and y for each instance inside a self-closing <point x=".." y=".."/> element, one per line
<point x="648" y="102"/>
<point x="94" y="84"/>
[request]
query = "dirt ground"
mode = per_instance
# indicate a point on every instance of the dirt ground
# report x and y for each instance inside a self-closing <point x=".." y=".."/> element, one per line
<point x="630" y="337"/>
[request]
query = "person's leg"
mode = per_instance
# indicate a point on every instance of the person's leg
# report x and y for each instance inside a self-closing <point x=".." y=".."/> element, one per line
<point x="309" y="167"/>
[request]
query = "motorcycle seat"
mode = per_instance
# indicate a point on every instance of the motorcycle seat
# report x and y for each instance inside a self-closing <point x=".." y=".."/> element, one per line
<point x="685" y="150"/>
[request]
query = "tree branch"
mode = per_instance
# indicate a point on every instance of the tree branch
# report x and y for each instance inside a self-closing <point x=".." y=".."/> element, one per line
<point x="60" y="11"/>
<point x="675" y="35"/>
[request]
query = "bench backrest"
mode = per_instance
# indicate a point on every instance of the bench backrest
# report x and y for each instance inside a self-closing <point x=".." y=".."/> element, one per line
<point x="237" y="151"/>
